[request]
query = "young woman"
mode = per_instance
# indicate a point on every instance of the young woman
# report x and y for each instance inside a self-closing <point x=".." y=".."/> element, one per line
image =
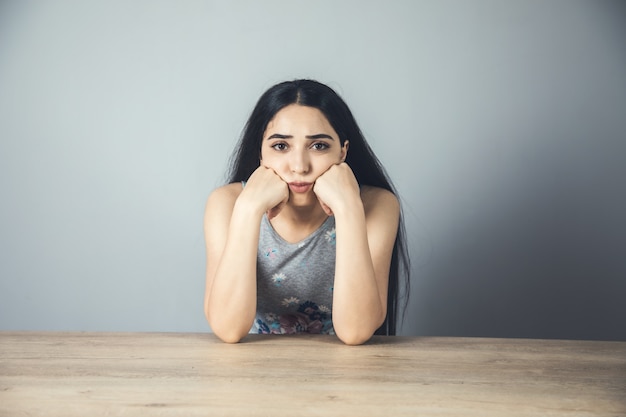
<point x="308" y="235"/>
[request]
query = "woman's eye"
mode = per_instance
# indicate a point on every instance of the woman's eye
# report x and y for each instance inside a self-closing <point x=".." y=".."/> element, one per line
<point x="279" y="146"/>
<point x="320" y="146"/>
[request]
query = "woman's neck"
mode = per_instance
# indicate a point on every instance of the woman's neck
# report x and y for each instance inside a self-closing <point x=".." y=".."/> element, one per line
<point x="295" y="223"/>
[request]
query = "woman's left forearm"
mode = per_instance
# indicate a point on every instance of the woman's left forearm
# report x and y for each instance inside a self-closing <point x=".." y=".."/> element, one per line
<point x="358" y="308"/>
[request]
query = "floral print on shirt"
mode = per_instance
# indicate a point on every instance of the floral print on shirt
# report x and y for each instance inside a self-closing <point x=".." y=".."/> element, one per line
<point x="331" y="236"/>
<point x="309" y="318"/>
<point x="290" y="306"/>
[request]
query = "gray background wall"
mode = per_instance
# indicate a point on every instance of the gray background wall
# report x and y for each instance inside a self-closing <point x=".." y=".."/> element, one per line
<point x="502" y="124"/>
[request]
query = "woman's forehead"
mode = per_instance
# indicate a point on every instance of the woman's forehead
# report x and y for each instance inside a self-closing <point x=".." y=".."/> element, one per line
<point x="302" y="120"/>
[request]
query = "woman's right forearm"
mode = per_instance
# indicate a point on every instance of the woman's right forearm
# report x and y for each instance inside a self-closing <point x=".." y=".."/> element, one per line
<point x="232" y="300"/>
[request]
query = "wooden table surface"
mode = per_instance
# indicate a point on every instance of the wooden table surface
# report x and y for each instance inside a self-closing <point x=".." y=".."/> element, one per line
<point x="175" y="374"/>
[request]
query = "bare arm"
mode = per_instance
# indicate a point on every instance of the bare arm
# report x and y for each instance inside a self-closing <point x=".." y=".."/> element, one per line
<point x="231" y="242"/>
<point x="366" y="227"/>
<point x="231" y="227"/>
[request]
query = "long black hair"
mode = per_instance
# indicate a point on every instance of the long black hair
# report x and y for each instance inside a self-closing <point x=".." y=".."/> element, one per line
<point x="366" y="167"/>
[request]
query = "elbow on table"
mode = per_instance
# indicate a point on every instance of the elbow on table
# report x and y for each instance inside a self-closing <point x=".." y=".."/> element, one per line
<point x="356" y="331"/>
<point x="354" y="339"/>
<point x="229" y="337"/>
<point x="353" y="336"/>
<point x="227" y="332"/>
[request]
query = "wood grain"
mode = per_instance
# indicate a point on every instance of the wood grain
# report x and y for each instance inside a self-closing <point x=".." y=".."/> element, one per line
<point x="148" y="374"/>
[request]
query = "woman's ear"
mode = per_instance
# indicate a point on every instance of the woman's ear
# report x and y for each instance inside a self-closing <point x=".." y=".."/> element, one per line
<point x="344" y="151"/>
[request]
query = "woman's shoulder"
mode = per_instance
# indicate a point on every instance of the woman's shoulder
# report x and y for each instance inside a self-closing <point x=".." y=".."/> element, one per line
<point x="226" y="195"/>
<point x="234" y="188"/>
<point x="378" y="198"/>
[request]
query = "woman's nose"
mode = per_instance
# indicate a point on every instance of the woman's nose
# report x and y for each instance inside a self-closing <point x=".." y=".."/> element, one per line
<point x="299" y="162"/>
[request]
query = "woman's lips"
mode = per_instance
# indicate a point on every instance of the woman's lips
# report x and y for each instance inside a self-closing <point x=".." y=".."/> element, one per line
<point x="300" y="187"/>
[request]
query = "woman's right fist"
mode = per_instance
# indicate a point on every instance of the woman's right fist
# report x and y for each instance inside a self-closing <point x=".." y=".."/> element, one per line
<point x="266" y="189"/>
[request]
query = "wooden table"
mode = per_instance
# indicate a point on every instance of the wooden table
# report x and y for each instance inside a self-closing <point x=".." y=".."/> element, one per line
<point x="126" y="374"/>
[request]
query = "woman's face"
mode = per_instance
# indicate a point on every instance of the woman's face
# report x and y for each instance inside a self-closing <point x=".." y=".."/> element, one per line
<point x="299" y="144"/>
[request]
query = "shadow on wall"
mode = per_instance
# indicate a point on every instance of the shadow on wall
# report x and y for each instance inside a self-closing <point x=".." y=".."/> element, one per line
<point x="531" y="232"/>
<point x="543" y="261"/>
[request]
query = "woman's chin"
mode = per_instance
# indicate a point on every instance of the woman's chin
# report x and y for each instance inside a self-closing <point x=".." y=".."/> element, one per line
<point x="302" y="199"/>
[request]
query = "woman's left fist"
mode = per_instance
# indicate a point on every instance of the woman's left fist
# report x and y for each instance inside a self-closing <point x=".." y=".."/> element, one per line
<point x="335" y="187"/>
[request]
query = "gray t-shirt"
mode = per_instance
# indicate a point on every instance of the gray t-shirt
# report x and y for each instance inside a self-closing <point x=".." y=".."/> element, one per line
<point x="295" y="281"/>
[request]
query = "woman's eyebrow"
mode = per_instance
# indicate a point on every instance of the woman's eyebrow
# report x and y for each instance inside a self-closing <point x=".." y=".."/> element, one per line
<point x="320" y="136"/>
<point x="312" y="137"/>
<point x="279" y="136"/>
